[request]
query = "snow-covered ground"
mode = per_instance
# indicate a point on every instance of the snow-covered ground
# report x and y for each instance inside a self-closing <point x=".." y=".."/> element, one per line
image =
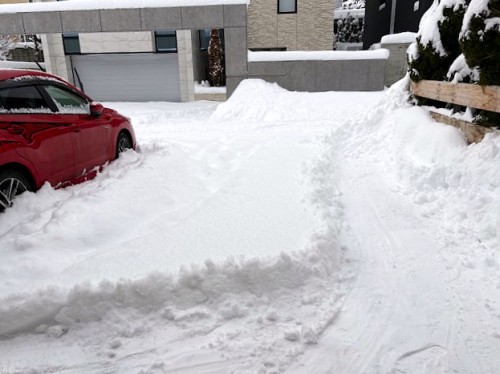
<point x="277" y="232"/>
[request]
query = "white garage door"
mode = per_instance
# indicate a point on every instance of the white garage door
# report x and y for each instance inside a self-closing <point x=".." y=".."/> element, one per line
<point x="129" y="77"/>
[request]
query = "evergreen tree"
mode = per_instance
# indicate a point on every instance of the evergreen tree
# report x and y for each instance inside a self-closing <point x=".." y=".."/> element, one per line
<point x="480" y="42"/>
<point x="437" y="45"/>
<point x="215" y="62"/>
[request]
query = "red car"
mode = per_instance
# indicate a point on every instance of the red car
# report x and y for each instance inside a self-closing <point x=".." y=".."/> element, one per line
<point x="52" y="132"/>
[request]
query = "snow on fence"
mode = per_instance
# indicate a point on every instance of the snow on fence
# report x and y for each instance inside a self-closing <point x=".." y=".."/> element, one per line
<point x="464" y="94"/>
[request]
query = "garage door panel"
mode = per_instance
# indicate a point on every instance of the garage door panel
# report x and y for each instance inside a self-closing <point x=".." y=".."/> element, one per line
<point x="129" y="77"/>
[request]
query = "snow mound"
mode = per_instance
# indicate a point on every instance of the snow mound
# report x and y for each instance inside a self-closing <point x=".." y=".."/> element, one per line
<point x="258" y="100"/>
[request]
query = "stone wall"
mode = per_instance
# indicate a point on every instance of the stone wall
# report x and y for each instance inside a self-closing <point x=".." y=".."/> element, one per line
<point x="397" y="64"/>
<point x="311" y="28"/>
<point x="116" y="42"/>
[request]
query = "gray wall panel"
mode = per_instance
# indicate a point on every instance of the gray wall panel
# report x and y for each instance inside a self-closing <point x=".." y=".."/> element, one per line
<point x="202" y="17"/>
<point x="49" y="22"/>
<point x="161" y="19"/>
<point x="81" y="21"/>
<point x="11" y="24"/>
<point x="121" y="19"/>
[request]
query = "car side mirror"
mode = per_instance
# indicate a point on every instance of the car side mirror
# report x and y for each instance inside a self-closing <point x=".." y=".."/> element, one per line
<point x="96" y="109"/>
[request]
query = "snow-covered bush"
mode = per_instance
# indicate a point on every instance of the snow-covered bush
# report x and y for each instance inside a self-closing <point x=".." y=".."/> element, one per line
<point x="480" y="43"/>
<point x="353" y="4"/>
<point x="349" y="30"/>
<point x="459" y="41"/>
<point x="480" y="39"/>
<point x="437" y="45"/>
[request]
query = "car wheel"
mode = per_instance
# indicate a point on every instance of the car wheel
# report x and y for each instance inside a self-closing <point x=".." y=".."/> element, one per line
<point x="12" y="184"/>
<point x="123" y="143"/>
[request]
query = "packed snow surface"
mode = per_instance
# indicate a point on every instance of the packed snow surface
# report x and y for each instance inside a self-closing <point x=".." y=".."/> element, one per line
<point x="338" y="232"/>
<point x="109" y="4"/>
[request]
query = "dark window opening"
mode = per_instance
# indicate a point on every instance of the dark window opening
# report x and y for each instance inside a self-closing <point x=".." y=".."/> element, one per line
<point x="71" y="43"/>
<point x="166" y="41"/>
<point x="287" y="6"/>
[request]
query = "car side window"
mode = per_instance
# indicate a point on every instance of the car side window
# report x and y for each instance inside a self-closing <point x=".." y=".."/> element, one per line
<point x="67" y="102"/>
<point x="24" y="99"/>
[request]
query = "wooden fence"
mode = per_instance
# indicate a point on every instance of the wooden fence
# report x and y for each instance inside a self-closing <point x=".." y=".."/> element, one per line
<point x="470" y="95"/>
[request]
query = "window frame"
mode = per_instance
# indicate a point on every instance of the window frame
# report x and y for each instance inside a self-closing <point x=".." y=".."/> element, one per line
<point x="290" y="12"/>
<point x="166" y="33"/>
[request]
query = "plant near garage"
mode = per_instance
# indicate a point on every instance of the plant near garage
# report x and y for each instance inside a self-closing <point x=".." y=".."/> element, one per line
<point x="215" y="60"/>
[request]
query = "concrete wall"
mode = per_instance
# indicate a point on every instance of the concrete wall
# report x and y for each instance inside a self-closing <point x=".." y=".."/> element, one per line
<point x="397" y="64"/>
<point x="311" y="28"/>
<point x="319" y="76"/>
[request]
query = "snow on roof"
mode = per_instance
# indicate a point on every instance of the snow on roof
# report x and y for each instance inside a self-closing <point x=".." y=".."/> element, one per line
<point x="378" y="54"/>
<point x="110" y="4"/>
<point x="403" y="37"/>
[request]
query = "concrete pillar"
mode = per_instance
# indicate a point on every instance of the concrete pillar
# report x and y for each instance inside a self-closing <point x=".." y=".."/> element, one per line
<point x="56" y="61"/>
<point x="185" y="55"/>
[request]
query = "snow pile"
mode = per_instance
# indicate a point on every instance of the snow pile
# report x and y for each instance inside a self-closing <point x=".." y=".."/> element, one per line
<point x="455" y="184"/>
<point x="258" y="100"/>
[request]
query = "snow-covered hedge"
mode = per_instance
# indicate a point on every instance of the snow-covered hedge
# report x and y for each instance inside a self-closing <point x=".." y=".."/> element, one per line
<point x="459" y="41"/>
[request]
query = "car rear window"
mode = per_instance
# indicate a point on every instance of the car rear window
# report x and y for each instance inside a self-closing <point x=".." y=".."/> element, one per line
<point x="22" y="99"/>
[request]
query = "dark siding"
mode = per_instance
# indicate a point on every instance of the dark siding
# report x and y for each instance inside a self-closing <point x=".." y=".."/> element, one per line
<point x="377" y="22"/>
<point x="406" y="18"/>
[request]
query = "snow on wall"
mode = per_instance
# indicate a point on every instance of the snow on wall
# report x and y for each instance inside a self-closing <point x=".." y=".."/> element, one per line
<point x="403" y="37"/>
<point x="110" y="4"/>
<point x="379" y="54"/>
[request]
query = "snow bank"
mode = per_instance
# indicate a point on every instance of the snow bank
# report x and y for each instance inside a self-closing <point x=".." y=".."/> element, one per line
<point x="455" y="184"/>
<point x="109" y="4"/>
<point x="258" y="100"/>
<point x="379" y="54"/>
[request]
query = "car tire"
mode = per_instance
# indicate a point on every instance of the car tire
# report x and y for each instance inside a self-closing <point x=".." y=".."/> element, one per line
<point x="12" y="184"/>
<point x="123" y="143"/>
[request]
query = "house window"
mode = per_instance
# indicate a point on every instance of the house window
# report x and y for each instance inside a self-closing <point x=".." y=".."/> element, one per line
<point x="71" y="43"/>
<point x="205" y="38"/>
<point x="166" y="41"/>
<point x="287" y="6"/>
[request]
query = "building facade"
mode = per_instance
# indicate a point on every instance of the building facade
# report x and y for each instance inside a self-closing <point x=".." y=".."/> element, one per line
<point x="164" y="64"/>
<point x="303" y="25"/>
